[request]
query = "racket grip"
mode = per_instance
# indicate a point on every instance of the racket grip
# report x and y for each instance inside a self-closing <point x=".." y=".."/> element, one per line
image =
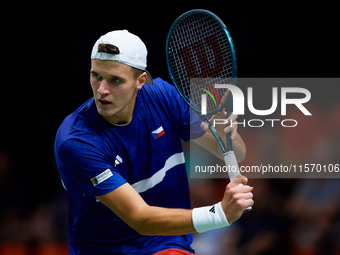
<point x="231" y="164"/>
<point x="233" y="169"/>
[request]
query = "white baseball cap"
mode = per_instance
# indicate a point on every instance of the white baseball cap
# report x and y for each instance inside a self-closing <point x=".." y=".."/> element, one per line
<point x="131" y="50"/>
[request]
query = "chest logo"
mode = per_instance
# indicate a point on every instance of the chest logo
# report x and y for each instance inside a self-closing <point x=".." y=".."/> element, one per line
<point x="158" y="133"/>
<point x="118" y="160"/>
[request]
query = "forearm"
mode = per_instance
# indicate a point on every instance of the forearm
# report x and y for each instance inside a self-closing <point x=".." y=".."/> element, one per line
<point x="127" y="204"/>
<point x="164" y="221"/>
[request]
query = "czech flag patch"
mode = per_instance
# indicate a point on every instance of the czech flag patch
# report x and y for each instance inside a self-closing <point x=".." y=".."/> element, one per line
<point x="158" y="133"/>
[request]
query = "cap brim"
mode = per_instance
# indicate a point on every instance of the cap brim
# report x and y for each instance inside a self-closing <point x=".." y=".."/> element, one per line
<point x="149" y="79"/>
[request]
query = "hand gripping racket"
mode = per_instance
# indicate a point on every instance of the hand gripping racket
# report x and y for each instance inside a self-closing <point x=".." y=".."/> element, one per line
<point x="200" y="53"/>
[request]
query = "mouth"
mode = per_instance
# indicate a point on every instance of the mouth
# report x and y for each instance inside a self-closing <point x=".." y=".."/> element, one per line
<point x="104" y="102"/>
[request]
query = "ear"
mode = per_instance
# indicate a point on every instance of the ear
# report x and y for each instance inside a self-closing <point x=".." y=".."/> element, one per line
<point x="141" y="80"/>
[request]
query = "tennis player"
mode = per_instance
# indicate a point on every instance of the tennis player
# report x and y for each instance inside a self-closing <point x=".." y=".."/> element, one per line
<point x="122" y="165"/>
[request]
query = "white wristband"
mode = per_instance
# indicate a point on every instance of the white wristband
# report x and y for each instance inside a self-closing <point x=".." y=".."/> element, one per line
<point x="209" y="217"/>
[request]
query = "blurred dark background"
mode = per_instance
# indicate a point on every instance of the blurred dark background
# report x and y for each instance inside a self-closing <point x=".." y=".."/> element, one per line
<point x="46" y="50"/>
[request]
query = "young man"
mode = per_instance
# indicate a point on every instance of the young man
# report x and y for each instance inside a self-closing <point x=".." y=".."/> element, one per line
<point x="122" y="165"/>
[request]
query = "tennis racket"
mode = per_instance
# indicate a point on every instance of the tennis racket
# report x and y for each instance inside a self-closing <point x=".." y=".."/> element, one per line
<point x="200" y="53"/>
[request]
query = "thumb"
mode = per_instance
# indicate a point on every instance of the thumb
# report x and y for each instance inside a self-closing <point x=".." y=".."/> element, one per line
<point x="204" y="126"/>
<point x="239" y="180"/>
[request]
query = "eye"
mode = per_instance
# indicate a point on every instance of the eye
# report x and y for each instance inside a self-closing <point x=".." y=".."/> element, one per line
<point x="95" y="76"/>
<point x="116" y="80"/>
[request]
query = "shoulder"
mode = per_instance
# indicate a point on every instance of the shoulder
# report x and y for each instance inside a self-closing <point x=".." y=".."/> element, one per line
<point x="78" y="117"/>
<point x="78" y="148"/>
<point x="78" y="130"/>
<point x="84" y="119"/>
<point x="159" y="88"/>
<point x="162" y="92"/>
<point x="163" y="95"/>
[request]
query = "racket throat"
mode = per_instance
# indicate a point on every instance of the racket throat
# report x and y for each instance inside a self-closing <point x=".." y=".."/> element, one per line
<point x="217" y="137"/>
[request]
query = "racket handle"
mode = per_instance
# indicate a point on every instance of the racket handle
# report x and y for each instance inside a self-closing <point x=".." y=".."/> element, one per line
<point x="231" y="163"/>
<point x="233" y="169"/>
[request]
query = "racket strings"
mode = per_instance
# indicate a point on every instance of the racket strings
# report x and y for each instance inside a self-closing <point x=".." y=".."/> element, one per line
<point x="200" y="51"/>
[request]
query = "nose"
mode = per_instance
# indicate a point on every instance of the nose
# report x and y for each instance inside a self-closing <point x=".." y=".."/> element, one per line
<point x="103" y="88"/>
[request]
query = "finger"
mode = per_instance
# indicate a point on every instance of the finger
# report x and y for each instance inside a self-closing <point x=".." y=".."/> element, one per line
<point x="243" y="196"/>
<point x="233" y="116"/>
<point x="218" y="116"/>
<point x="212" y="118"/>
<point x="231" y="128"/>
<point x="233" y="133"/>
<point x="239" y="179"/>
<point x="245" y="188"/>
<point x="232" y="119"/>
<point x="225" y="96"/>
<point x="247" y="196"/>
<point x="204" y="126"/>
<point x="247" y="204"/>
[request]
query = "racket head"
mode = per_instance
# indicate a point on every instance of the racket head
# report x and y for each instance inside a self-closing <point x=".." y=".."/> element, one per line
<point x="200" y="53"/>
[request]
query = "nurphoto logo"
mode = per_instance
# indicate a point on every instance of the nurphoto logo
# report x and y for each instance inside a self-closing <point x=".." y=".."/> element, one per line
<point x="300" y="97"/>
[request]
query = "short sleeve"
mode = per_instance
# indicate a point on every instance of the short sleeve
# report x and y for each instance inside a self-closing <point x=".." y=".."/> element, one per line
<point x="84" y="164"/>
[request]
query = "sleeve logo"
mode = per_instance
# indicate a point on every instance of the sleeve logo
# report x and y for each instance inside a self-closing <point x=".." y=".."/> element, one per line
<point x="101" y="177"/>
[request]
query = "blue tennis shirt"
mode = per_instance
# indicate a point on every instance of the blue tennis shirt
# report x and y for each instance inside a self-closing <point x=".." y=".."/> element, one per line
<point x="95" y="157"/>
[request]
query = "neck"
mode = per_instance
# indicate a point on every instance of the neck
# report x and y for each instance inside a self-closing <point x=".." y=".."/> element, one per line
<point x="121" y="124"/>
<point x="124" y="116"/>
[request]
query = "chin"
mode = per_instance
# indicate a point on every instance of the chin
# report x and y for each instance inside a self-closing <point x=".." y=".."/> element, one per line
<point x="105" y="112"/>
